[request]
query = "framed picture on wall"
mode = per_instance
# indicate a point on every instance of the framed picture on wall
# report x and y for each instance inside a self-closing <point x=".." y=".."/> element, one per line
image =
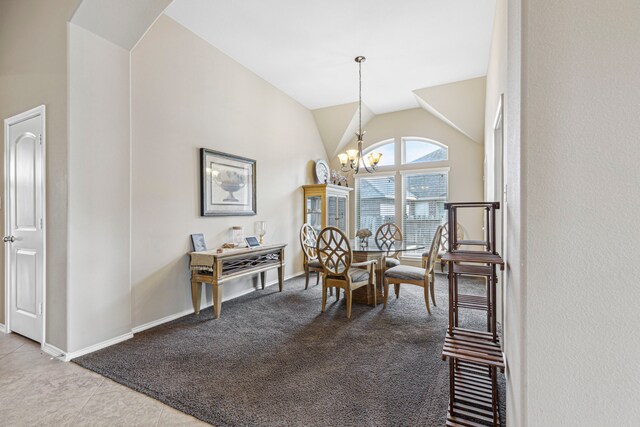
<point x="228" y="184"/>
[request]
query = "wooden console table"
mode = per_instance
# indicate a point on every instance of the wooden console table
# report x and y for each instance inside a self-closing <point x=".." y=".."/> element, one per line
<point x="213" y="268"/>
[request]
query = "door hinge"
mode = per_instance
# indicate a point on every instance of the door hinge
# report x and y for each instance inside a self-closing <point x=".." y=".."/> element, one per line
<point x="40" y="138"/>
<point x="40" y="308"/>
<point x="40" y="223"/>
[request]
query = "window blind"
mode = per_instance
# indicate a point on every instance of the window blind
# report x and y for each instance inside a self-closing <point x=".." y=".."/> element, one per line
<point x="375" y="202"/>
<point x="423" y="198"/>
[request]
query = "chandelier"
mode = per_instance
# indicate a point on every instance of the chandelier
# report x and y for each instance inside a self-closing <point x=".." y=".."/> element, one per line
<point x="353" y="159"/>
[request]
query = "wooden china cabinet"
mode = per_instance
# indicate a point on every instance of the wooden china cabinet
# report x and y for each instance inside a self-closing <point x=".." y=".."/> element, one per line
<point x="327" y="205"/>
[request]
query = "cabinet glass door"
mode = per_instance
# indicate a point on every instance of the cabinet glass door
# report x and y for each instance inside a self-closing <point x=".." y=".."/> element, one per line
<point x="332" y="211"/>
<point x="341" y="217"/>
<point x="314" y="212"/>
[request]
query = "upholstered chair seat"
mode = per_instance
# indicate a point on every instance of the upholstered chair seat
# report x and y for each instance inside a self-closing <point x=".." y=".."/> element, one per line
<point x="358" y="274"/>
<point x="315" y="264"/>
<point x="406" y="272"/>
<point x="391" y="262"/>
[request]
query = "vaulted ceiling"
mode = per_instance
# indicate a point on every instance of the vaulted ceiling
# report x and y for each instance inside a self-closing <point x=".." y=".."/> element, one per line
<point x="306" y="48"/>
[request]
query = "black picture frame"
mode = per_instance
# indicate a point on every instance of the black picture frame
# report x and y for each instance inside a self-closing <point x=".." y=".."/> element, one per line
<point x="227" y="184"/>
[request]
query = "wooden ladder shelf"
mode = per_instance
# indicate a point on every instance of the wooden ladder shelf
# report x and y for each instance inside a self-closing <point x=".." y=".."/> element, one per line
<point x="474" y="356"/>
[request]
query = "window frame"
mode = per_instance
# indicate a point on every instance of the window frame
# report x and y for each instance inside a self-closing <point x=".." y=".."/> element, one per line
<point x="403" y="143"/>
<point x="356" y="193"/>
<point x="397" y="171"/>
<point x="372" y="147"/>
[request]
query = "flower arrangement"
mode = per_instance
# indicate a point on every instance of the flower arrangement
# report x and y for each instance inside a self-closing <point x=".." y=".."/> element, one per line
<point x="363" y="234"/>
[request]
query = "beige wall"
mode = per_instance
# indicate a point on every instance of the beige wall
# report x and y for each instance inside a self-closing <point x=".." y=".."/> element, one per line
<point x="33" y="71"/>
<point x="186" y="94"/>
<point x="503" y="77"/>
<point x="99" y="293"/>
<point x="580" y="151"/>
<point x="465" y="155"/>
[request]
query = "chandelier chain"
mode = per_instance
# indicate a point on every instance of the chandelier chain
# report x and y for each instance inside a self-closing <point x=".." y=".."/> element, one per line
<point x="360" y="99"/>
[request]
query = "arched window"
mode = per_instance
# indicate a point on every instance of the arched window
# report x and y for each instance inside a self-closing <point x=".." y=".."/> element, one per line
<point x="418" y="150"/>
<point x="409" y="189"/>
<point x="388" y="150"/>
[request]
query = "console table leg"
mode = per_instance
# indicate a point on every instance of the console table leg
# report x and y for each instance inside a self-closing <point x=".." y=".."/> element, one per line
<point x="280" y="277"/>
<point x="263" y="278"/>
<point x="196" y="288"/>
<point x="217" y="300"/>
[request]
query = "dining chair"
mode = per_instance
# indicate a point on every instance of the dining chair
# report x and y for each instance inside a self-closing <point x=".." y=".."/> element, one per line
<point x="308" y="239"/>
<point x="415" y="275"/>
<point x="386" y="235"/>
<point x="444" y="244"/>
<point x="339" y="270"/>
<point x="429" y="260"/>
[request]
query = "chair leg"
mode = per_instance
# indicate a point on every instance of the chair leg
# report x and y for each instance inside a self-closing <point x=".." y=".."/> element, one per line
<point x="397" y="288"/>
<point x="375" y="293"/>
<point x="386" y="292"/>
<point x="426" y="296"/>
<point x="317" y="278"/>
<point x="324" y="296"/>
<point x="433" y="288"/>
<point x="337" y="294"/>
<point x="347" y="294"/>
<point x="306" y="278"/>
<point x="330" y="290"/>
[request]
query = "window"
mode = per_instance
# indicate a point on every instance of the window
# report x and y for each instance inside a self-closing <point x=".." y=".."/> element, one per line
<point x="423" y="151"/>
<point x="419" y="177"/>
<point x="375" y="202"/>
<point x="388" y="150"/>
<point x="424" y="195"/>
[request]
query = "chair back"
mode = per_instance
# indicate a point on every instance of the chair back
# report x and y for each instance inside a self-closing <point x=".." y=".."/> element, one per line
<point x="308" y="239"/>
<point x="334" y="251"/>
<point x="444" y="240"/>
<point x="386" y="235"/>
<point x="435" y="247"/>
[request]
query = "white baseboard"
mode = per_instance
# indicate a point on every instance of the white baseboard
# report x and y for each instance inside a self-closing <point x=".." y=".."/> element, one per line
<point x="3" y="328"/>
<point x="49" y="349"/>
<point x="98" y="346"/>
<point x="165" y="319"/>
<point x="178" y="315"/>
<point x="54" y="351"/>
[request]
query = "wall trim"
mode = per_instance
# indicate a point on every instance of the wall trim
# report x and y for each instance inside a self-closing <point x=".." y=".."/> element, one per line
<point x="54" y="351"/>
<point x="165" y="319"/>
<point x="3" y="328"/>
<point x="49" y="349"/>
<point x="98" y="346"/>
<point x="188" y="311"/>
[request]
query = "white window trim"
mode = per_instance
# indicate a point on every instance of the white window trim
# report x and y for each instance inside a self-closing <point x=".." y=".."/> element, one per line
<point x="446" y="169"/>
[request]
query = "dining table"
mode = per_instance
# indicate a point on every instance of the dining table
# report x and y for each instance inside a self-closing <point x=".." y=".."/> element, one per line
<point x="367" y="249"/>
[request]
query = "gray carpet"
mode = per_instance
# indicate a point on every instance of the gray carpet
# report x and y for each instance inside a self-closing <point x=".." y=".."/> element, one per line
<point x="272" y="359"/>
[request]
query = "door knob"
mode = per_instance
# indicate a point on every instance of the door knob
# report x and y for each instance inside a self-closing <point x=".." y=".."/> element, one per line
<point x="9" y="239"/>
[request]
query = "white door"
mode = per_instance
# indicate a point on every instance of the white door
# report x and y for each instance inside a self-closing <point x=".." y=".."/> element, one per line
<point x="24" y="235"/>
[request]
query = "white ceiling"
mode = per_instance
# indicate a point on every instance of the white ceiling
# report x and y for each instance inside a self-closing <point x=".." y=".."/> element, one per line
<point x="306" y="48"/>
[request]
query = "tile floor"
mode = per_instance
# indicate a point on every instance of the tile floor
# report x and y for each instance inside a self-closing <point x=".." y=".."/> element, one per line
<point x="36" y="390"/>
